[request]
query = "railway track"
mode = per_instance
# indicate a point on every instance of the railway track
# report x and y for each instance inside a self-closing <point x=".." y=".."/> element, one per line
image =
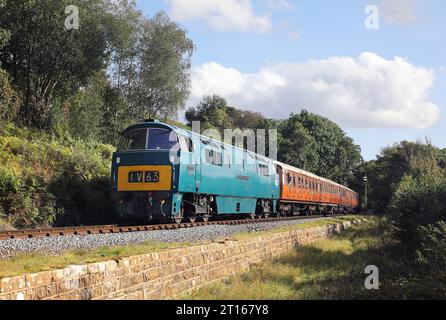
<point x="106" y="229"/>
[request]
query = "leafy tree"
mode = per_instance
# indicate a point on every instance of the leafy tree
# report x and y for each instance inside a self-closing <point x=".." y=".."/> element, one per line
<point x="212" y="112"/>
<point x="114" y="115"/>
<point x="163" y="70"/>
<point x="44" y="58"/>
<point x="124" y="62"/>
<point x="387" y="171"/>
<point x="417" y="205"/>
<point x="83" y="112"/>
<point x="316" y="144"/>
<point x="9" y="99"/>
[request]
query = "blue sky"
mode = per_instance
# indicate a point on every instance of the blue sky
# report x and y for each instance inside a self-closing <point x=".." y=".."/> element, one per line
<point x="278" y="56"/>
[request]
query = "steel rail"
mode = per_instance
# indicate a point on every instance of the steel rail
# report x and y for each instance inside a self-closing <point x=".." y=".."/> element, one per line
<point x="104" y="229"/>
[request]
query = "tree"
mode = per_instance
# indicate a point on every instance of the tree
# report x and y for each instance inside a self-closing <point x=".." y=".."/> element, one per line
<point x="44" y="58"/>
<point x="4" y="34"/>
<point x="9" y="99"/>
<point x="114" y="116"/>
<point x="83" y="112"/>
<point x="212" y="112"/>
<point x="163" y="71"/>
<point x="316" y="144"/>
<point x="393" y="164"/>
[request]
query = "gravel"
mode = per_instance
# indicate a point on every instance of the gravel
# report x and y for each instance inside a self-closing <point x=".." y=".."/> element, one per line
<point x="56" y="245"/>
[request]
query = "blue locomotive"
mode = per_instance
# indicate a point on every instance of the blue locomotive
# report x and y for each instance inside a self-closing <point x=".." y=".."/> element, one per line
<point x="163" y="172"/>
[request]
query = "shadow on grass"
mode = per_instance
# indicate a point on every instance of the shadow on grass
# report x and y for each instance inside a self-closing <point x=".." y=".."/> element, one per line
<point x="334" y="269"/>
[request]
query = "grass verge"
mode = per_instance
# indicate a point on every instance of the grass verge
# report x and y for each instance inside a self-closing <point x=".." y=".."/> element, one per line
<point x="36" y="262"/>
<point x="332" y="269"/>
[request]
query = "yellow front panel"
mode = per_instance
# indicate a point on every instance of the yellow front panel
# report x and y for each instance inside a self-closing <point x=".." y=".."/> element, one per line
<point x="164" y="183"/>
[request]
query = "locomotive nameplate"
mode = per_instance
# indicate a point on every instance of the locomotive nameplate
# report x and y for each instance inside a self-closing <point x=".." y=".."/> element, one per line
<point x="144" y="178"/>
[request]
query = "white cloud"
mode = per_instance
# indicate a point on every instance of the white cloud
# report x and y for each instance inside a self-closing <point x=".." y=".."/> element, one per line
<point x="279" y="4"/>
<point x="400" y="12"/>
<point x="223" y="15"/>
<point x="367" y="91"/>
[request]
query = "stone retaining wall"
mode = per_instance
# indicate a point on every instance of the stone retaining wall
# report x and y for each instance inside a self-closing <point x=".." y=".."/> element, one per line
<point x="161" y="274"/>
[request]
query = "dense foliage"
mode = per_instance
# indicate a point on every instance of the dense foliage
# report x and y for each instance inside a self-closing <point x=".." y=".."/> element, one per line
<point x="94" y="80"/>
<point x="318" y="145"/>
<point x="407" y="185"/>
<point x="53" y="179"/>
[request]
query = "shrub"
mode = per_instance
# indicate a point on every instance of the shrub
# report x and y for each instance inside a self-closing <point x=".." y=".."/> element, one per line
<point x="432" y="252"/>
<point x="9" y="99"/>
<point x="53" y="179"/>
<point x="417" y="203"/>
<point x="25" y="202"/>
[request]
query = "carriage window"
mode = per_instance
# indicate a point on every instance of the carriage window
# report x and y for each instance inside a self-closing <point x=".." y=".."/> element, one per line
<point x="263" y="170"/>
<point x="227" y="160"/>
<point x="133" y="140"/>
<point x="214" y="157"/>
<point x="162" y="139"/>
<point x="294" y="181"/>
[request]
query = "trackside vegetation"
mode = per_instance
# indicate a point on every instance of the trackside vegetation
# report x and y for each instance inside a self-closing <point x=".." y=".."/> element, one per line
<point x="53" y="179"/>
<point x="333" y="269"/>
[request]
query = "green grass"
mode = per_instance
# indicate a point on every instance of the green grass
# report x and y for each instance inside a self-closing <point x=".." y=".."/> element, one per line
<point x="331" y="269"/>
<point x="28" y="263"/>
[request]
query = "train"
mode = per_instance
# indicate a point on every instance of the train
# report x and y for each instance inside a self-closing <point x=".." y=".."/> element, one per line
<point x="161" y="172"/>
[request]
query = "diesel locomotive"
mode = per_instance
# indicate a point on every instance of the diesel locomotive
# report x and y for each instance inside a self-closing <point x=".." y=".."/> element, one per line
<point x="161" y="172"/>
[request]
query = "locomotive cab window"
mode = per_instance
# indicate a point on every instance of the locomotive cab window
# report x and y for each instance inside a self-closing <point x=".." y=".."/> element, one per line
<point x="162" y="139"/>
<point x="133" y="140"/>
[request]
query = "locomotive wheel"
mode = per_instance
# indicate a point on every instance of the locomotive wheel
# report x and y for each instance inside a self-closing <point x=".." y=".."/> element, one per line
<point x="206" y="218"/>
<point x="178" y="220"/>
<point x="192" y="220"/>
<point x="252" y="216"/>
<point x="266" y="215"/>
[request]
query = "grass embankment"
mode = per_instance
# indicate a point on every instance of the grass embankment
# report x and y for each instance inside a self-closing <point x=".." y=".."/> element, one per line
<point x="332" y="269"/>
<point x="28" y="263"/>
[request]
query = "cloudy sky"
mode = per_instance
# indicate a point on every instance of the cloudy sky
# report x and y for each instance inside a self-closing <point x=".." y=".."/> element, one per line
<point x="280" y="56"/>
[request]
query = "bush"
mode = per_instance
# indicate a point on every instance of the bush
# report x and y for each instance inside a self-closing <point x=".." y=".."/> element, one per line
<point x="417" y="204"/>
<point x="9" y="99"/>
<point x="25" y="202"/>
<point x="48" y="179"/>
<point x="433" y="246"/>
